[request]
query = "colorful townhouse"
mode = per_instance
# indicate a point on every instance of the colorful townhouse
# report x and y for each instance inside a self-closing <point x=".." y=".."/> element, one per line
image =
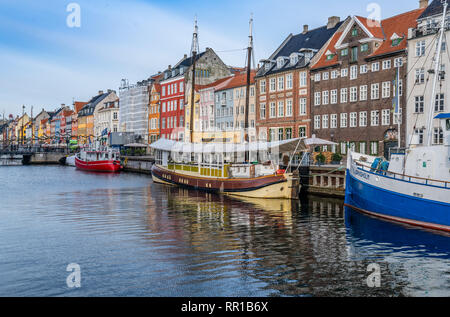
<point x="421" y="50"/>
<point x="353" y="84"/>
<point x="283" y="84"/>
<point x="154" y="113"/>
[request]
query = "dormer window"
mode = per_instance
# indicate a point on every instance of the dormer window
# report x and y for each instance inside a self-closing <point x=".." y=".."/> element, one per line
<point x="173" y="73"/>
<point x="280" y="62"/>
<point x="294" y="59"/>
<point x="330" y="57"/>
<point x="396" y="40"/>
<point x="355" y="32"/>
<point x="267" y="66"/>
<point x="181" y="70"/>
<point x="344" y="52"/>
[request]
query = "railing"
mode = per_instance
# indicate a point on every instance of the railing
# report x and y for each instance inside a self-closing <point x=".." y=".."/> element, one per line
<point x="15" y="149"/>
<point x="404" y="177"/>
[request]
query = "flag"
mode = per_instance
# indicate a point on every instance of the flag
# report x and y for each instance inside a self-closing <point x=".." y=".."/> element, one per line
<point x="105" y="132"/>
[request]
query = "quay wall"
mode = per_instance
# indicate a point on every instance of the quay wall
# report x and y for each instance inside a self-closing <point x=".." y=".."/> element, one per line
<point x="141" y="164"/>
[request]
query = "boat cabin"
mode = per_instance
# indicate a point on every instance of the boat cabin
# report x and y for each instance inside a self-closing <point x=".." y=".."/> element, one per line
<point x="95" y="155"/>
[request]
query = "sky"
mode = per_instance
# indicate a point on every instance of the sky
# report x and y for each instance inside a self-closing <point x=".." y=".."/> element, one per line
<point x="46" y="61"/>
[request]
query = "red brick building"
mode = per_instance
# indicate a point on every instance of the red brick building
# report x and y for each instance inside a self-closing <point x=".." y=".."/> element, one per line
<point x="352" y="84"/>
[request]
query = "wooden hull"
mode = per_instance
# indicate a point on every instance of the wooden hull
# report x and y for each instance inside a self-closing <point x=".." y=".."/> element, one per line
<point x="98" y="166"/>
<point x="272" y="186"/>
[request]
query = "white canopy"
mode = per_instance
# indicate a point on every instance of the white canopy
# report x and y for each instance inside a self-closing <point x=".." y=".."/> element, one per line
<point x="282" y="146"/>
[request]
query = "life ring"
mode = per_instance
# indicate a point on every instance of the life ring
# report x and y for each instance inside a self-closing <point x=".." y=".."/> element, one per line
<point x="281" y="172"/>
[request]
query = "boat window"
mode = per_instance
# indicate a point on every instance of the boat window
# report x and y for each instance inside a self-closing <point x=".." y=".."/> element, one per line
<point x="448" y="124"/>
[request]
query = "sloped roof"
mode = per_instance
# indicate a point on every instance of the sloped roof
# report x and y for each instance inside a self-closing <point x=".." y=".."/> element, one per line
<point x="237" y="80"/>
<point x="314" y="39"/>
<point x="186" y="62"/>
<point x="78" y="105"/>
<point x="384" y="30"/>
<point x="435" y="8"/>
<point x="89" y="108"/>
<point x="216" y="84"/>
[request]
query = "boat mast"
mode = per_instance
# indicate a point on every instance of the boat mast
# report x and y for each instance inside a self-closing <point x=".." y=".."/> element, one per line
<point x="436" y="74"/>
<point x="194" y="51"/>
<point x="247" y="95"/>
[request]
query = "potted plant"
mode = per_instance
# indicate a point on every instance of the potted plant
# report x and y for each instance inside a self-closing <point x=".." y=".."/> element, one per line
<point x="336" y="158"/>
<point x="320" y="159"/>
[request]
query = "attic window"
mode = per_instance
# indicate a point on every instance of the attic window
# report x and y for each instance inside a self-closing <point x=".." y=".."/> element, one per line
<point x="294" y="59"/>
<point x="396" y="42"/>
<point x="280" y="62"/>
<point x="355" y="32"/>
<point x="267" y="66"/>
<point x="330" y="57"/>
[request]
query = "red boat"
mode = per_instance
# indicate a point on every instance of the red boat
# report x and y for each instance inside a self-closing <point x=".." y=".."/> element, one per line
<point x="98" y="161"/>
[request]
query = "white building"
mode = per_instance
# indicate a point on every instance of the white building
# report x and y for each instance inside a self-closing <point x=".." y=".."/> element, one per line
<point x="107" y="119"/>
<point x="422" y="48"/>
<point x="134" y="104"/>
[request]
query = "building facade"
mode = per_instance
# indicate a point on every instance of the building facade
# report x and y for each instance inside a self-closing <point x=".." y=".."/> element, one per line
<point x="422" y="45"/>
<point x="283" y="85"/>
<point x="353" y="84"/>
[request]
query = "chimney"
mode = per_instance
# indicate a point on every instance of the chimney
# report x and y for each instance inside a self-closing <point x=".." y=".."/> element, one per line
<point x="305" y="29"/>
<point x="100" y="92"/>
<point x="333" y="21"/>
<point x="63" y="105"/>
<point x="423" y="4"/>
<point x="170" y="67"/>
<point x="185" y="56"/>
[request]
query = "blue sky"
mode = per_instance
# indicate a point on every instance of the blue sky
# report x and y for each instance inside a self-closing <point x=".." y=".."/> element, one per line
<point x="44" y="63"/>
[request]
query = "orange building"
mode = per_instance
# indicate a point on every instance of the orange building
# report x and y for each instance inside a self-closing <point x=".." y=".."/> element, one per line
<point x="154" y="113"/>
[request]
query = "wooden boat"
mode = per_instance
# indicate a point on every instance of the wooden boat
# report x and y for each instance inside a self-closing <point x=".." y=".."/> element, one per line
<point x="217" y="168"/>
<point x="98" y="161"/>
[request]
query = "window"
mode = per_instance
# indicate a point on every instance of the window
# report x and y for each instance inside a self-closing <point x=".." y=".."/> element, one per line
<point x="289" y="108"/>
<point x="364" y="47"/>
<point x="374" y="148"/>
<point x="419" y="104"/>
<point x="375" y="91"/>
<point x="375" y="67"/>
<point x="317" y="122"/>
<point x="288" y="133"/>
<point x="280" y="62"/>
<point x="363" y="69"/>
<point x="325" y="76"/>
<point x="181" y="86"/>
<point x="442" y="72"/>
<point x="344" y="120"/>
<point x="420" y="75"/>
<point x="294" y="59"/>
<point x="353" y="72"/>
<point x="344" y="52"/>
<point x="363" y="119"/>
<point x="363" y="92"/>
<point x="344" y="148"/>
<point x="438" y="136"/>
<point x="302" y="132"/>
<point x="344" y="95"/>
<point x="334" y="74"/>
<point x="344" y="72"/>
<point x="362" y="147"/>
<point x="386" y="93"/>
<point x="355" y="32"/>
<point x="334" y="97"/>
<point x="354" y="54"/>
<point x="353" y="120"/>
<point x="302" y="106"/>
<point x="325" y="121"/>
<point x="333" y="121"/>
<point x="262" y="86"/>
<point x="325" y="97"/>
<point x="419" y="132"/>
<point x="280" y="134"/>
<point x="317" y="98"/>
<point x="273" y="110"/>
<point x="289" y="81"/>
<point x="280" y="109"/>
<point x="420" y="48"/>
<point x="386" y="117"/>
<point x="387" y="64"/>
<point x="353" y="94"/>
<point x="317" y="77"/>
<point x="375" y="118"/>
<point x="303" y="82"/>
<point x="280" y="83"/>
<point x="398" y="62"/>
<point x="273" y="83"/>
<point x="439" y="103"/>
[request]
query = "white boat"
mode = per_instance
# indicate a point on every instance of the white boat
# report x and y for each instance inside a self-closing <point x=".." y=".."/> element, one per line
<point x="70" y="160"/>
<point x="413" y="187"/>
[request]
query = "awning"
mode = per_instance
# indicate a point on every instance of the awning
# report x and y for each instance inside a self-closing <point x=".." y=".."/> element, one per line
<point x="443" y="116"/>
<point x="183" y="147"/>
<point x="316" y="141"/>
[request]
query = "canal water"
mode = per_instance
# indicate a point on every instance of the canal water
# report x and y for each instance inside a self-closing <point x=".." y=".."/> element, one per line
<point x="131" y="237"/>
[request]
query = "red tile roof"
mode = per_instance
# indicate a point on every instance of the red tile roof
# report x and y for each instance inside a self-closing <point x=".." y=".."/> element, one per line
<point x="398" y="24"/>
<point x="238" y="80"/>
<point x="78" y="105"/>
<point x="217" y="83"/>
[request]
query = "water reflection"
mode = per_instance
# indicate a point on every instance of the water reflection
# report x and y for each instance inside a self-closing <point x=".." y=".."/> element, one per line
<point x="136" y="238"/>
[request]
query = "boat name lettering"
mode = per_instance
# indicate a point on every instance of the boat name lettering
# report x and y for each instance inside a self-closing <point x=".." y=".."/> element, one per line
<point x="362" y="174"/>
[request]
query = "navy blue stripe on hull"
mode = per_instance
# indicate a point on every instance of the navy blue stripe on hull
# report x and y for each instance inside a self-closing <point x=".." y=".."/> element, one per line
<point x="391" y="204"/>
